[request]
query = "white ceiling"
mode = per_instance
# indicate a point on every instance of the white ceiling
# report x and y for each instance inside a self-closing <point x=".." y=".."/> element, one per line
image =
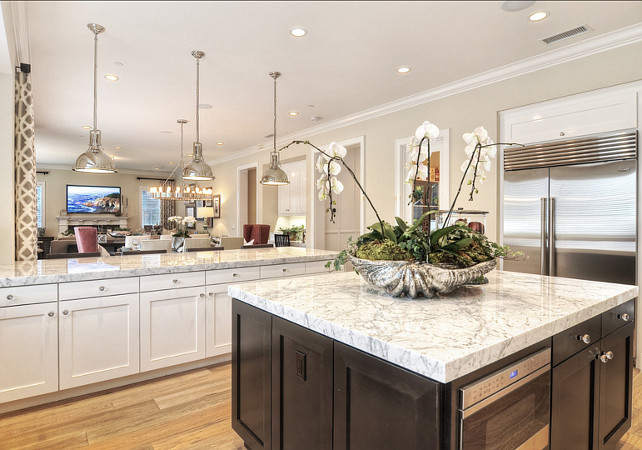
<point x="344" y="65"/>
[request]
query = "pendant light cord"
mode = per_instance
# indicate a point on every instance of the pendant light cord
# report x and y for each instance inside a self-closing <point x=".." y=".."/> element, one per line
<point x="274" y="137"/>
<point x="197" y="99"/>
<point x="95" y="79"/>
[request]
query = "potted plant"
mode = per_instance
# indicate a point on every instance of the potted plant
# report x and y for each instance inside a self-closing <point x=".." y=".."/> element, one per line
<point x="295" y="232"/>
<point x="411" y="259"/>
<point x="180" y="233"/>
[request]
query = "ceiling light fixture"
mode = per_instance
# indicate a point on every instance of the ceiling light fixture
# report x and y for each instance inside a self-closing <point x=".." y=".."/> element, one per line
<point x="198" y="169"/>
<point x="298" y="32"/>
<point x="403" y="69"/>
<point x="274" y="175"/>
<point x="112" y="77"/>
<point x="184" y="193"/>
<point x="536" y="17"/>
<point x="220" y="143"/>
<point x="94" y="160"/>
<point x="293" y="113"/>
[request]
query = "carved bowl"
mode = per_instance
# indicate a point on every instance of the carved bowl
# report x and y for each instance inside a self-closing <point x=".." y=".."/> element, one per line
<point x="403" y="278"/>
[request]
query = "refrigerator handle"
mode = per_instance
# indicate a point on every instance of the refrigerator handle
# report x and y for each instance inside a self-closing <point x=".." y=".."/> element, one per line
<point x="543" y="245"/>
<point x="552" y="270"/>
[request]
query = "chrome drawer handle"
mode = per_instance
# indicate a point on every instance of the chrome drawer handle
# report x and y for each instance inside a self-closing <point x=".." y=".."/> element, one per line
<point x="605" y="357"/>
<point x="51" y="314"/>
<point x="625" y="317"/>
<point x="586" y="338"/>
<point x="10" y="297"/>
<point x="101" y="288"/>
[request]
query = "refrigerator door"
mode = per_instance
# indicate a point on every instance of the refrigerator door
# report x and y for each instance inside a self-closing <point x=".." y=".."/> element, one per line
<point x="592" y="212"/>
<point x="525" y="219"/>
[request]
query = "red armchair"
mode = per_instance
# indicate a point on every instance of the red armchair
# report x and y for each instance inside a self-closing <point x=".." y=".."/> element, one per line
<point x="86" y="239"/>
<point x="260" y="233"/>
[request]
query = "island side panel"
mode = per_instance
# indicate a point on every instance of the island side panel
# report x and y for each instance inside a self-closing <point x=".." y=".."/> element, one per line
<point x="251" y="375"/>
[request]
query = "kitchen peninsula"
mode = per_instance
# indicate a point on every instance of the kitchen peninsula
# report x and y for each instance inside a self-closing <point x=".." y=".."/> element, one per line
<point x="329" y="362"/>
<point x="73" y="326"/>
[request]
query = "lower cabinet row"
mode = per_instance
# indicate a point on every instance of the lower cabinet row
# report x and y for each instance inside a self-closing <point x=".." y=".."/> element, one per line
<point x="60" y="345"/>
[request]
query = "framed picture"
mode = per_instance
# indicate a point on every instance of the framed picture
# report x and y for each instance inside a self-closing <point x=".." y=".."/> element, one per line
<point x="198" y="204"/>
<point x="216" y="204"/>
<point x="190" y="211"/>
<point x="208" y="203"/>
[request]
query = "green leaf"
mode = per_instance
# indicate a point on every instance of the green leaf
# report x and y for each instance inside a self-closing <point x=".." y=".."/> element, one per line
<point x="389" y="233"/>
<point x="401" y="223"/>
<point x="419" y="221"/>
<point x="463" y="243"/>
<point x="436" y="235"/>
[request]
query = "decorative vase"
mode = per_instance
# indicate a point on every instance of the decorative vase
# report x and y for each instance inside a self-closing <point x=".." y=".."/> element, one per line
<point x="403" y="278"/>
<point x="177" y="243"/>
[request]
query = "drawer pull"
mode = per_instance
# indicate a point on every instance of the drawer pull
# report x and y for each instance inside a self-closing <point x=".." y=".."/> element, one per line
<point x="625" y="317"/>
<point x="211" y="294"/>
<point x="175" y="281"/>
<point x="606" y="356"/>
<point x="202" y="295"/>
<point x="10" y="297"/>
<point x="235" y="274"/>
<point x="65" y="312"/>
<point x="586" y="338"/>
<point x="285" y="270"/>
<point x="101" y="288"/>
<point x="51" y="314"/>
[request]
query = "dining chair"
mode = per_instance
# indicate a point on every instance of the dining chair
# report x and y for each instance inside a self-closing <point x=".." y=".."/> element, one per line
<point x="86" y="239"/>
<point x="281" y="240"/>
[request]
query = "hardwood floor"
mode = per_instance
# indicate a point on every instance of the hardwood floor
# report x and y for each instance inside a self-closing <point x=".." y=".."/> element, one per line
<point x="189" y="410"/>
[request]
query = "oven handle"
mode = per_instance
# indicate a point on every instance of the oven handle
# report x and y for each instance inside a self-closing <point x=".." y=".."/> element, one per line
<point x="493" y="398"/>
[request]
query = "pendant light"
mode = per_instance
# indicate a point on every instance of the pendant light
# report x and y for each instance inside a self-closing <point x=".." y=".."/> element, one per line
<point x="94" y="160"/>
<point x="274" y="175"/>
<point x="198" y="169"/>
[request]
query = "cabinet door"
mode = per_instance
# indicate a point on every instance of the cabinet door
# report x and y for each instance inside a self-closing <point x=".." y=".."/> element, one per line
<point x="284" y="199"/>
<point x="381" y="406"/>
<point x="28" y="351"/>
<point x="616" y="383"/>
<point x="98" y="339"/>
<point x="251" y="375"/>
<point x="574" y="413"/>
<point x="301" y="388"/>
<point x="218" y="321"/>
<point x="297" y="189"/>
<point x="172" y="327"/>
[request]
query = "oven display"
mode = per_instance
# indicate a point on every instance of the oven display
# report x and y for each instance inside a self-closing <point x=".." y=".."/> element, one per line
<point x="513" y="374"/>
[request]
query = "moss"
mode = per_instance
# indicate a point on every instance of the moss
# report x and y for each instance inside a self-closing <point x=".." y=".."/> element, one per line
<point x="383" y="251"/>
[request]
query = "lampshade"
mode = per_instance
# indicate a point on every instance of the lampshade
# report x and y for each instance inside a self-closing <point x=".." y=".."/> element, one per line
<point x="204" y="211"/>
<point x="274" y="175"/>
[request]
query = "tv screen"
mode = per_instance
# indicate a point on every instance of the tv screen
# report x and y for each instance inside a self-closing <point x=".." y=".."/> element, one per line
<point x="93" y="199"/>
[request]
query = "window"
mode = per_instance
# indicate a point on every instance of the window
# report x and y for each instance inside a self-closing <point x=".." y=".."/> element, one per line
<point x="151" y="209"/>
<point x="40" y="204"/>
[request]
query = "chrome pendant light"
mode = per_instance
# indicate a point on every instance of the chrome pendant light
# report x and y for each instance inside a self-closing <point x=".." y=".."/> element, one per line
<point x="95" y="160"/>
<point x="274" y="175"/>
<point x="198" y="169"/>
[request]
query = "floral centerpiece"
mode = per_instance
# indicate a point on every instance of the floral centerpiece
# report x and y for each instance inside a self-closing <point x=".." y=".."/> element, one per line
<point x="180" y="233"/>
<point x="414" y="260"/>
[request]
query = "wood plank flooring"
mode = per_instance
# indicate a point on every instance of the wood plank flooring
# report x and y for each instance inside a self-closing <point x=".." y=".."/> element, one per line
<point x="188" y="410"/>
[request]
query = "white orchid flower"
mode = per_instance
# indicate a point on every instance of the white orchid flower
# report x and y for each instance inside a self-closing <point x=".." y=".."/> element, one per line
<point x="335" y="150"/>
<point x="335" y="168"/>
<point x="481" y="134"/>
<point x="322" y="181"/>
<point x="427" y="129"/>
<point x="337" y="186"/>
<point x="492" y="151"/>
<point x="323" y="192"/>
<point x="487" y="165"/>
<point x="470" y="139"/>
<point x="321" y="162"/>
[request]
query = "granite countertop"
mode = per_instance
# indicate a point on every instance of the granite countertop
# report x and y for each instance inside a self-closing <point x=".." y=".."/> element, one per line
<point x="62" y="270"/>
<point x="442" y="338"/>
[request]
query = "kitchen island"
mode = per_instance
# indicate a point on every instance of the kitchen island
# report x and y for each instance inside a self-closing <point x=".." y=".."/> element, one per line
<point x="332" y="363"/>
<point x="73" y="326"/>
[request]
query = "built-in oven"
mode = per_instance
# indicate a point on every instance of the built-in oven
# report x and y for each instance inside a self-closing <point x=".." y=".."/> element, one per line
<point x="508" y="409"/>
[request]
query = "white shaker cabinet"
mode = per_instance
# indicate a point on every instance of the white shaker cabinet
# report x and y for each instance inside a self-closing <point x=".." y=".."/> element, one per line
<point x="28" y="351"/>
<point x="98" y="339"/>
<point x="291" y="197"/>
<point x="172" y="327"/>
<point x="218" y="313"/>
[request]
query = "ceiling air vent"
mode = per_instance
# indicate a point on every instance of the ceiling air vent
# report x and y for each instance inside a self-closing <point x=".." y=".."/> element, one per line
<point x="566" y="34"/>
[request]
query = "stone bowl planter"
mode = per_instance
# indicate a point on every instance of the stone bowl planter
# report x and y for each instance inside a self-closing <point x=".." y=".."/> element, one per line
<point x="402" y="278"/>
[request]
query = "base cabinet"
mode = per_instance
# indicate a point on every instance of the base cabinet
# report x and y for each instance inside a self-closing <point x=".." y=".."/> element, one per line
<point x="28" y="351"/>
<point x="218" y="321"/>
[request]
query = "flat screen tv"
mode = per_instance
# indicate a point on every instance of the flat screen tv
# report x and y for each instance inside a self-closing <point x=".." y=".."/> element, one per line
<point x="93" y="199"/>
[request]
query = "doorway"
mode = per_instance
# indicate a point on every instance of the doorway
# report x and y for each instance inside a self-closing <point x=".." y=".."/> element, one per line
<point x="247" y="210"/>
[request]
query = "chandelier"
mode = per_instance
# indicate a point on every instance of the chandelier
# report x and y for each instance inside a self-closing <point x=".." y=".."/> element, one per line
<point x="187" y="193"/>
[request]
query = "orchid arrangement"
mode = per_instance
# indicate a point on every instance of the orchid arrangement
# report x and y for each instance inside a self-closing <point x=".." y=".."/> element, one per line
<point x="181" y="225"/>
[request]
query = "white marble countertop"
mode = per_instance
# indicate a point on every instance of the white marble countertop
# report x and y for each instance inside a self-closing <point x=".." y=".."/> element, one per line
<point x="442" y="338"/>
<point x="62" y="270"/>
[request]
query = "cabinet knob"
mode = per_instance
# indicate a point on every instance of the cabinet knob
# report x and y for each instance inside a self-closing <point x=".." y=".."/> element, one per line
<point x="202" y="295"/>
<point x="175" y="281"/>
<point x="562" y="133"/>
<point x="51" y="314"/>
<point x="285" y="270"/>
<point x="211" y="294"/>
<point x="235" y="275"/>
<point x="625" y="317"/>
<point x="101" y="288"/>
<point x="10" y="297"/>
<point x="65" y="312"/>
<point x="605" y="357"/>
<point x="586" y="338"/>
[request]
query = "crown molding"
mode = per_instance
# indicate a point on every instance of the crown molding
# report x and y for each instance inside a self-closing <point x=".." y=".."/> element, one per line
<point x="143" y="173"/>
<point x="588" y="47"/>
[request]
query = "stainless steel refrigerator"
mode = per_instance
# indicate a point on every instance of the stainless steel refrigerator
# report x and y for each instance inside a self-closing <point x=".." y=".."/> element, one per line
<point x="570" y="207"/>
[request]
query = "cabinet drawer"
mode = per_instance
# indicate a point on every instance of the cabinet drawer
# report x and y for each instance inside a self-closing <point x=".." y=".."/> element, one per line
<point x="570" y="341"/>
<point x="28" y="295"/>
<point x="171" y="281"/>
<point x="232" y="275"/>
<point x="98" y="288"/>
<point x="282" y="270"/>
<point x="618" y="317"/>
<point x="317" y="267"/>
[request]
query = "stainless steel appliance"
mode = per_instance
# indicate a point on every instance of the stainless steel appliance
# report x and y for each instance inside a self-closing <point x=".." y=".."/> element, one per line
<point x="508" y="409"/>
<point x="570" y="207"/>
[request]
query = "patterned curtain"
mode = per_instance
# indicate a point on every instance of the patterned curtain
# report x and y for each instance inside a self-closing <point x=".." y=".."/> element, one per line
<point x="168" y="209"/>
<point x="25" y="169"/>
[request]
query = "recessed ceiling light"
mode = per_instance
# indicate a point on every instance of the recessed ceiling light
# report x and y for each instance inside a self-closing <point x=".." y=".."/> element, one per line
<point x="298" y="32"/>
<point x="112" y="77"/>
<point x="171" y="163"/>
<point x="403" y="69"/>
<point x="540" y="15"/>
<point x="205" y="106"/>
<point x="515" y="5"/>
<point x="293" y="113"/>
<point x="220" y="143"/>
<point x="86" y="127"/>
